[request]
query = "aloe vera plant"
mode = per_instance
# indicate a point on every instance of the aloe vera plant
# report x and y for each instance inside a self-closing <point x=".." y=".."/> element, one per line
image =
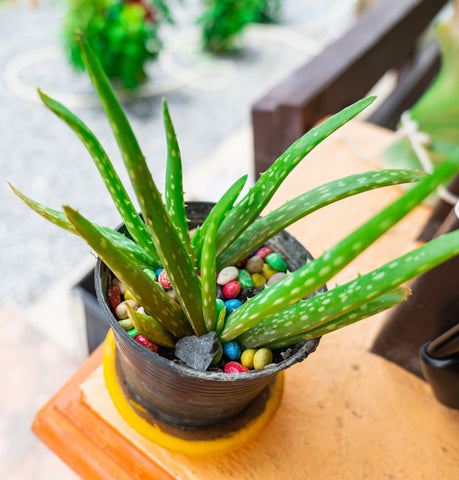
<point x="278" y="316"/>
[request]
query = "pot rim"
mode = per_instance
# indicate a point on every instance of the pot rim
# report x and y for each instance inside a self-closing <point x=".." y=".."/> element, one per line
<point x="303" y="349"/>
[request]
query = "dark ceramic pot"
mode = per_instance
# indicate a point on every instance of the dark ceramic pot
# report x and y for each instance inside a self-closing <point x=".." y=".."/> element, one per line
<point x="179" y="395"/>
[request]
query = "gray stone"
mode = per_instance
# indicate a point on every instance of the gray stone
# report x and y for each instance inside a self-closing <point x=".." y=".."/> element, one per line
<point x="197" y="352"/>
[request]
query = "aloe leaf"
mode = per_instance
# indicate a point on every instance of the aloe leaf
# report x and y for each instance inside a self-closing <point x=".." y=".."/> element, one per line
<point x="146" y="291"/>
<point x="172" y="254"/>
<point x="266" y="227"/>
<point x="314" y="274"/>
<point x="220" y="321"/>
<point x="174" y="183"/>
<point x="218" y="213"/>
<point x="243" y="214"/>
<point x="112" y="182"/>
<point x="325" y="307"/>
<point x="379" y="304"/>
<point x="150" y="328"/>
<point x="127" y="246"/>
<point x="208" y="260"/>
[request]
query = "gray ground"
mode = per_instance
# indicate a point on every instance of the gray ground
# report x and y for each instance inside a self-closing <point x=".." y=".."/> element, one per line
<point x="41" y="157"/>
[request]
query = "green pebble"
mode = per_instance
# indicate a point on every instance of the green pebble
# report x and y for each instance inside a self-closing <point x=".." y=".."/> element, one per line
<point x="150" y="273"/>
<point x="247" y="358"/>
<point x="220" y="305"/>
<point x="126" y="324"/>
<point x="277" y="262"/>
<point x="133" y="333"/>
<point x="262" y="357"/>
<point x="245" y="279"/>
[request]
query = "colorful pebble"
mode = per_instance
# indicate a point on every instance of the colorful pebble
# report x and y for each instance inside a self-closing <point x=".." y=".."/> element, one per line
<point x="226" y="275"/>
<point x="133" y="333"/>
<point x="263" y="252"/>
<point x="150" y="273"/>
<point x="126" y="324"/>
<point x="277" y="262"/>
<point x="235" y="367"/>
<point x="232" y="350"/>
<point x="268" y="271"/>
<point x="158" y="272"/>
<point x="163" y="279"/>
<point x="147" y="343"/>
<point x="255" y="265"/>
<point x="231" y="290"/>
<point x="258" y="279"/>
<point x="220" y="305"/>
<point x="245" y="279"/>
<point x="277" y="277"/>
<point x="262" y="357"/>
<point x="231" y="305"/>
<point x="114" y="297"/>
<point x="121" y="310"/>
<point x="247" y="358"/>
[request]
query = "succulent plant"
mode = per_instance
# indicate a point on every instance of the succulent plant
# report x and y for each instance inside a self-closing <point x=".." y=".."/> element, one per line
<point x="280" y="315"/>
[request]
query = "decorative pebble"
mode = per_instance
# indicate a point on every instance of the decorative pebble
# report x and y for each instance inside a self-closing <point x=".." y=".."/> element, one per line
<point x="128" y="295"/>
<point x="245" y="279"/>
<point x="126" y="324"/>
<point x="235" y="367"/>
<point x="231" y="289"/>
<point x="277" y="262"/>
<point x="220" y="305"/>
<point x="147" y="343"/>
<point x="114" y="297"/>
<point x="262" y="357"/>
<point x="277" y="277"/>
<point x="121" y="310"/>
<point x="247" y="358"/>
<point x="231" y="305"/>
<point x="163" y="280"/>
<point x="255" y="265"/>
<point x="268" y="271"/>
<point x="232" y="350"/>
<point x="150" y="273"/>
<point x="227" y="275"/>
<point x="263" y="252"/>
<point x="133" y="333"/>
<point x="258" y="279"/>
<point x="158" y="272"/>
<point x="245" y="294"/>
<point x="118" y="283"/>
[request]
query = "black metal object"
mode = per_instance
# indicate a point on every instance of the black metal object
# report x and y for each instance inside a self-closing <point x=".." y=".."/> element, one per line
<point x="96" y="323"/>
<point x="179" y="395"/>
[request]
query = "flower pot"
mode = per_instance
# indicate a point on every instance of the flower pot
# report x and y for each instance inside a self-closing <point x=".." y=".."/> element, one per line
<point x="181" y="396"/>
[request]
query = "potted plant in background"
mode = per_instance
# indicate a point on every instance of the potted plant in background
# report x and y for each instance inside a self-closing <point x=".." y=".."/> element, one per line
<point x="178" y="305"/>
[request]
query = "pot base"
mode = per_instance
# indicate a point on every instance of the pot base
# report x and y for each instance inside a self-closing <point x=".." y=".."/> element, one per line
<point x="232" y="434"/>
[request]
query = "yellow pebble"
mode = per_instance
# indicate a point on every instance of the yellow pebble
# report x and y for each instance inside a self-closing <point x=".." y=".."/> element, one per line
<point x="268" y="271"/>
<point x="258" y="280"/>
<point x="247" y="357"/>
<point x="128" y="295"/>
<point x="262" y="357"/>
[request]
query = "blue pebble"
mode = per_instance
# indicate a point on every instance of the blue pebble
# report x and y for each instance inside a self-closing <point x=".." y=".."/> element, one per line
<point x="232" y="350"/>
<point x="231" y="305"/>
<point x="157" y="272"/>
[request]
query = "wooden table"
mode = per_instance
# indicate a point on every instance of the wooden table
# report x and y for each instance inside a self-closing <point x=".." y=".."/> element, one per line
<point x="345" y="414"/>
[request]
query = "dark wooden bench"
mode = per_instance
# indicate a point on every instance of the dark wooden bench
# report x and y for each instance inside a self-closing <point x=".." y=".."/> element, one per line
<point x="385" y="37"/>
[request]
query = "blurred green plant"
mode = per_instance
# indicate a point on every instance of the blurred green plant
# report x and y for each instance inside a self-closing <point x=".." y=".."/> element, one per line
<point x="124" y="35"/>
<point x="222" y="21"/>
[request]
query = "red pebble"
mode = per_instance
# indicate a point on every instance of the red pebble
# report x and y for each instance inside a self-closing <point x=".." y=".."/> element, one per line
<point x="263" y="252"/>
<point x="232" y="290"/>
<point x="164" y="280"/>
<point x="114" y="297"/>
<point x="235" y="367"/>
<point x="147" y="343"/>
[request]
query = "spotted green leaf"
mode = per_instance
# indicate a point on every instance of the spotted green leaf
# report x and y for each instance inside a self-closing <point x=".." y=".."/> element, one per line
<point x="112" y="182"/>
<point x="150" y="328"/>
<point x="266" y="227"/>
<point x="171" y="252"/>
<point x="147" y="292"/>
<point x="127" y="246"/>
<point x="314" y="274"/>
<point x="249" y="208"/>
<point x="319" y="325"/>
<point x="174" y="183"/>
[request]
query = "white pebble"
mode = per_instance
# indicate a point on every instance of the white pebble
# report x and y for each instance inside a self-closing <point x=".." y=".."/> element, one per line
<point x="228" y="274"/>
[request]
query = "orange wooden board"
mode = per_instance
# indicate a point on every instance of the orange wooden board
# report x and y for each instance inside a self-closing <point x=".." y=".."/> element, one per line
<point x="346" y="413"/>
